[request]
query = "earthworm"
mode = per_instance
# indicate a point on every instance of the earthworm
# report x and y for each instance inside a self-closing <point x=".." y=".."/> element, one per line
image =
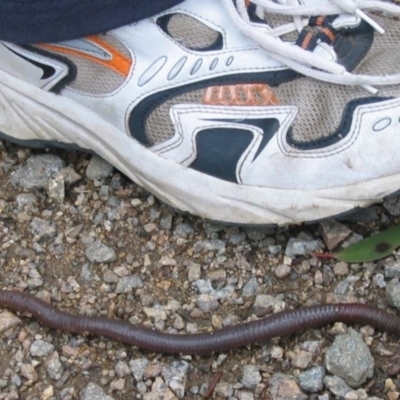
<point x="280" y="324"/>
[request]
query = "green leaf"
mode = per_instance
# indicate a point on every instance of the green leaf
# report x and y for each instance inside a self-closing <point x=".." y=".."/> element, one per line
<point x="373" y="248"/>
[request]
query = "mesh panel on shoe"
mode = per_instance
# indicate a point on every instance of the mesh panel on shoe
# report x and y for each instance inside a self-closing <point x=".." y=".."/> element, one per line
<point x="191" y="33"/>
<point x="116" y="43"/>
<point x="159" y="126"/>
<point x="277" y="20"/>
<point x="384" y="56"/>
<point x="321" y="105"/>
<point x="94" y="78"/>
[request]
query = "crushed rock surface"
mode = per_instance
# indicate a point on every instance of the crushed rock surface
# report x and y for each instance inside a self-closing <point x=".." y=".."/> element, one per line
<point x="93" y="243"/>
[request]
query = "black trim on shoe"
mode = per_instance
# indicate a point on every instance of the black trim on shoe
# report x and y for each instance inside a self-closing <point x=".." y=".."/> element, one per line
<point x="162" y="22"/>
<point x="353" y="44"/>
<point x="218" y="152"/>
<point x="44" y="144"/>
<point x="269" y="126"/>
<point x="341" y="132"/>
<point x="48" y="70"/>
<point x="72" y="70"/>
<point x="139" y="115"/>
<point x="251" y="9"/>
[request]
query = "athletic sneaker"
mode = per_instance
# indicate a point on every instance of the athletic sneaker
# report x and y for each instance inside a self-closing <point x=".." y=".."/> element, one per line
<point x="279" y="113"/>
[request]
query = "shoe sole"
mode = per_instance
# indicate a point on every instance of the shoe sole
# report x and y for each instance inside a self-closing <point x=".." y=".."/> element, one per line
<point x="33" y="117"/>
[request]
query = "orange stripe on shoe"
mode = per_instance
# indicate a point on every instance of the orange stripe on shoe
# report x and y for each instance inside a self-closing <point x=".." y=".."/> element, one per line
<point x="253" y="94"/>
<point x="328" y="32"/>
<point x="119" y="63"/>
<point x="320" y="20"/>
<point x="307" y="40"/>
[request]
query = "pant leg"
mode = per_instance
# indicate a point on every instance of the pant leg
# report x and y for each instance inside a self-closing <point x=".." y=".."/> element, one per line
<point x="33" y="21"/>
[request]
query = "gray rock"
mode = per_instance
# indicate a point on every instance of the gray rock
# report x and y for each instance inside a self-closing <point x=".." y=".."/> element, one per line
<point x="128" y="283"/>
<point x="114" y="201"/>
<point x="301" y="247"/>
<point x="150" y="227"/>
<point x="379" y="281"/>
<point x="302" y="360"/>
<point x="274" y="249"/>
<point x="156" y="313"/>
<point x="333" y="233"/>
<point x="341" y="268"/>
<point x="12" y="395"/>
<point x="70" y="175"/>
<point x="117" y="385"/>
<point x="175" y="375"/>
<point x="282" y="271"/>
<point x="242" y="395"/>
<point x="250" y="288"/>
<point x="350" y="358"/>
<point x="224" y="292"/>
<point x="344" y="286"/>
<point x="44" y="229"/>
<point x="137" y="367"/>
<point x="251" y="376"/>
<point x="37" y="171"/>
<point x="211" y="228"/>
<point x="256" y="234"/>
<point x="98" y="169"/>
<point x="285" y="387"/>
<point x="159" y="390"/>
<point x="110" y="277"/>
<point x="266" y="304"/>
<point x="194" y="390"/>
<point x="210" y="245"/>
<point x="392" y="205"/>
<point x="207" y="303"/>
<point x="87" y="272"/>
<point x="153" y="370"/>
<point x="40" y="348"/>
<point x="93" y="392"/>
<point x="56" y="187"/>
<point x="54" y="367"/>
<point x="98" y="252"/>
<point x="393" y="293"/>
<point x="224" y="389"/>
<point x="237" y="238"/>
<point x="166" y="222"/>
<point x="194" y="271"/>
<point x="122" y="369"/>
<point x="26" y="200"/>
<point x="217" y="275"/>
<point x="142" y="388"/>
<point x="183" y="229"/>
<point x="29" y="373"/>
<point x="392" y="271"/>
<point x="337" y="386"/>
<point x="312" y="380"/>
<point x="353" y="238"/>
<point x="16" y="380"/>
<point x="7" y="321"/>
<point x="327" y="274"/>
<point x="154" y="214"/>
<point x="203" y="286"/>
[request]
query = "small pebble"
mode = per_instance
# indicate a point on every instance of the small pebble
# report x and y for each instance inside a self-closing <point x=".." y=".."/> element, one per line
<point x="98" y="169"/>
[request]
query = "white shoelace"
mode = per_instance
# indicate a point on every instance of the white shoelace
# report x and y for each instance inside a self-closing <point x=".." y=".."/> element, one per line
<point x="303" y="61"/>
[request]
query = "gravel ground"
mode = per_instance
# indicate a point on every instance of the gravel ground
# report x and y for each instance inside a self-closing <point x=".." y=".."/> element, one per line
<point x="78" y="234"/>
